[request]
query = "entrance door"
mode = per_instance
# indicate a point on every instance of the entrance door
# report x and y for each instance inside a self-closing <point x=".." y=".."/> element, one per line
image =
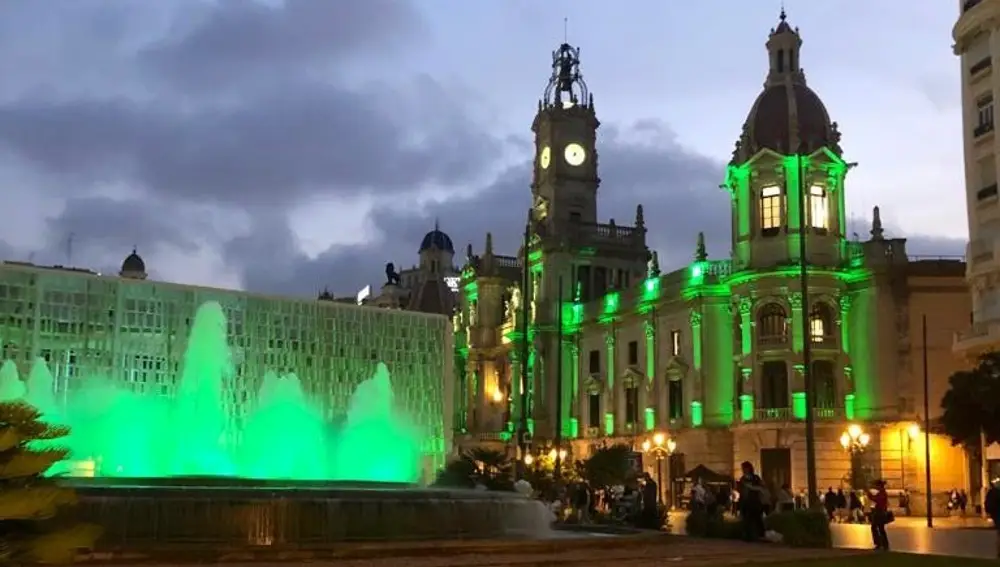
<point x="776" y="467"/>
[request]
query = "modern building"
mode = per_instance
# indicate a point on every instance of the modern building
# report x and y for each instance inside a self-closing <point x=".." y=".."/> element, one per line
<point x="711" y="355"/>
<point x="134" y="331"/>
<point x="978" y="45"/>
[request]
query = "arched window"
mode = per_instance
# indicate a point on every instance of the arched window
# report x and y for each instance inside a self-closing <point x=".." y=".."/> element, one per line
<point x="770" y="211"/>
<point x="820" y="322"/>
<point x="772" y="324"/>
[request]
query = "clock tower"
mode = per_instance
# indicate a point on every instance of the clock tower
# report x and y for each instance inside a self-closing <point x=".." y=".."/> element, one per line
<point x="564" y="186"/>
<point x="572" y="255"/>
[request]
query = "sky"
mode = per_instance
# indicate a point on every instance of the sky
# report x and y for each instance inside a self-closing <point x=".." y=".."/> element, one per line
<point x="286" y="147"/>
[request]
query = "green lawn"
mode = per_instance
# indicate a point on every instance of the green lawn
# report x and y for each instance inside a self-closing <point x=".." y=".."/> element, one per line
<point x="890" y="560"/>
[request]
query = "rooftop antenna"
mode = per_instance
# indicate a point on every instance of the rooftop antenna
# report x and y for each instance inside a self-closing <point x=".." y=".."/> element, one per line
<point x="565" y="30"/>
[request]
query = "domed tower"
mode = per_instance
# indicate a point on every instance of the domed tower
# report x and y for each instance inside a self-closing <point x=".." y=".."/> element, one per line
<point x="788" y="146"/>
<point x="133" y="267"/>
<point x="436" y="254"/>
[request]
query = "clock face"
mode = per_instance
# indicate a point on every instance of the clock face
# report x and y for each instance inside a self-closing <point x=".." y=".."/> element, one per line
<point x="575" y="154"/>
<point x="545" y="157"/>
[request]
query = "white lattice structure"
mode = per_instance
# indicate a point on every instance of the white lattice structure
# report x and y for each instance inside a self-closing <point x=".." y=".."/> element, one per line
<point x="134" y="331"/>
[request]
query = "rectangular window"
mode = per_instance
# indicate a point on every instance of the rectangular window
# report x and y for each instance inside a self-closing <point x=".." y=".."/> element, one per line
<point x="675" y="393"/>
<point x="594" y="418"/>
<point x="819" y="208"/>
<point x="984" y="116"/>
<point x="770" y="210"/>
<point x="632" y="405"/>
<point x="774" y="385"/>
<point x="675" y="343"/>
<point x="595" y="362"/>
<point x="633" y="353"/>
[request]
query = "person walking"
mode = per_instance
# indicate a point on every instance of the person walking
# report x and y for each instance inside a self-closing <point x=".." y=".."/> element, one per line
<point x="751" y="503"/>
<point x="992" y="507"/>
<point x="880" y="516"/>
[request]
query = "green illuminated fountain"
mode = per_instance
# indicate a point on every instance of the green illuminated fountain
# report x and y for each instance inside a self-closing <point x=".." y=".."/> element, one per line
<point x="117" y="433"/>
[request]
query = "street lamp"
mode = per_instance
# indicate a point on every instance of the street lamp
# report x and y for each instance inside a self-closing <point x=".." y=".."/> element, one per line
<point x="660" y="446"/>
<point x="855" y="440"/>
<point x="561" y="453"/>
<point x="528" y="459"/>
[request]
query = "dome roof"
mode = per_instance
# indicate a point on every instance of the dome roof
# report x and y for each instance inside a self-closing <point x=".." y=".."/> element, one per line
<point x="789" y="118"/>
<point x="437" y="240"/>
<point x="133" y="263"/>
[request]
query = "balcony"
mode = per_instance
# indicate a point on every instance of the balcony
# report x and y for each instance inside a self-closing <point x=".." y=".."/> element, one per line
<point x="824" y="342"/>
<point x="776" y="342"/>
<point x="982" y="130"/>
<point x="980" y="338"/>
<point x="772" y="415"/>
<point x="981" y="65"/>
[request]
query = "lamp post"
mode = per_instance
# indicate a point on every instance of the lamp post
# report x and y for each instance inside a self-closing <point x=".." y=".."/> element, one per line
<point x="661" y="447"/>
<point x="855" y="441"/>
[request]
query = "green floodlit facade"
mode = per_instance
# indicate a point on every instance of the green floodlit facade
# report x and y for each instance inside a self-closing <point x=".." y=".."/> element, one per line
<point x="711" y="352"/>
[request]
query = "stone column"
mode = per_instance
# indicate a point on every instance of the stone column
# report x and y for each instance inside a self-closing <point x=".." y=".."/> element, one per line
<point x="651" y="390"/>
<point x="613" y="402"/>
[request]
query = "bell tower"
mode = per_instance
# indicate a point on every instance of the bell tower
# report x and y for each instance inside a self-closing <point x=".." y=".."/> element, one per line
<point x="564" y="186"/>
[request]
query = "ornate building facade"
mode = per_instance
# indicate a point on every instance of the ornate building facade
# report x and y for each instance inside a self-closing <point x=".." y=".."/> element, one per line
<point x="710" y="354"/>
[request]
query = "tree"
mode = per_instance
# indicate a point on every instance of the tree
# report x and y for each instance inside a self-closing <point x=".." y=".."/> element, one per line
<point x="31" y="527"/>
<point x="607" y="466"/>
<point x="972" y="404"/>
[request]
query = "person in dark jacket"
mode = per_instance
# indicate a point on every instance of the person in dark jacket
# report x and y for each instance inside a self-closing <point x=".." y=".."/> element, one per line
<point x="751" y="488"/>
<point x="992" y="508"/>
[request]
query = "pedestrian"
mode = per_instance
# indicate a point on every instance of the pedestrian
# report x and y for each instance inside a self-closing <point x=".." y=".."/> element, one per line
<point x="881" y="516"/>
<point x="751" y="504"/>
<point x="992" y="507"/>
<point x="830" y="504"/>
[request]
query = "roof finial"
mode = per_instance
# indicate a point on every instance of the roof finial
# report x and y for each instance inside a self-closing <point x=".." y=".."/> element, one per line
<point x="783" y="16"/>
<point x="565" y="30"/>
<point x="437" y="225"/>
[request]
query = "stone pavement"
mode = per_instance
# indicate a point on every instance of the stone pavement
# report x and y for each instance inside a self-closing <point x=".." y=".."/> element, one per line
<point x="621" y="551"/>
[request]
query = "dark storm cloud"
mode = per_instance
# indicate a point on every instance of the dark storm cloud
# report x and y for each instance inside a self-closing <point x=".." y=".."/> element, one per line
<point x="98" y="232"/>
<point x="272" y="149"/>
<point x="232" y="42"/>
<point x="679" y="191"/>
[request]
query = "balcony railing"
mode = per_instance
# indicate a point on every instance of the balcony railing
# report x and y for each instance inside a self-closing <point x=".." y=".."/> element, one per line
<point x="786" y="414"/>
<point x="771" y="342"/>
<point x="824" y="341"/>
<point x="987" y="192"/>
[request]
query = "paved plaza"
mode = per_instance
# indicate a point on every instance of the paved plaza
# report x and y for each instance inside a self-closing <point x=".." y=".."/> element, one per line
<point x="621" y="551"/>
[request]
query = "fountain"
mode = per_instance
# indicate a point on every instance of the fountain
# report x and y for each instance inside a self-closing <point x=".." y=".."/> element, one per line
<point x="281" y="475"/>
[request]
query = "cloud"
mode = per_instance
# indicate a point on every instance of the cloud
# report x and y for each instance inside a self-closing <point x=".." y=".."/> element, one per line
<point x="194" y="130"/>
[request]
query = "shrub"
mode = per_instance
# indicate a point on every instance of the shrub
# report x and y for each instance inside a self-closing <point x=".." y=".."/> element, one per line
<point x="801" y="528"/>
<point x="701" y="523"/>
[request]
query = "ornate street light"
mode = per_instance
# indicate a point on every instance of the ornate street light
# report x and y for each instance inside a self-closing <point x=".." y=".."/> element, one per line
<point x="855" y="440"/>
<point x="661" y="447"/>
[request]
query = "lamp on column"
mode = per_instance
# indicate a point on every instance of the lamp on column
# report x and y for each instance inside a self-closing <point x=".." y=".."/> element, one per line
<point x="855" y="440"/>
<point x="660" y="446"/>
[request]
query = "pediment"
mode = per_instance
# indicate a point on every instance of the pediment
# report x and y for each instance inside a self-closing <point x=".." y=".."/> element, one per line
<point x="676" y="368"/>
<point x="632" y="377"/>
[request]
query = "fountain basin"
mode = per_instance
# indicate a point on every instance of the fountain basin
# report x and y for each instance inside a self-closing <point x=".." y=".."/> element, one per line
<point x="218" y="511"/>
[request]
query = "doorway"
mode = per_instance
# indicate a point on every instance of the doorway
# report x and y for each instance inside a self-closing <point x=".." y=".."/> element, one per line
<point x="776" y="467"/>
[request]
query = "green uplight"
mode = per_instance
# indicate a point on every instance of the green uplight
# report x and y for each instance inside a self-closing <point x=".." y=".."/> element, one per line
<point x="746" y="407"/>
<point x="697" y="414"/>
<point x="609" y="424"/>
<point x="574" y="428"/>
<point x="650" y="419"/>
<point x="799" y="405"/>
<point x="849" y="406"/>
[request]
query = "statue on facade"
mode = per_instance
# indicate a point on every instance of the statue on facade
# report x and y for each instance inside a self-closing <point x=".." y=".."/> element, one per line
<point x="391" y="276"/>
<point x="513" y="303"/>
